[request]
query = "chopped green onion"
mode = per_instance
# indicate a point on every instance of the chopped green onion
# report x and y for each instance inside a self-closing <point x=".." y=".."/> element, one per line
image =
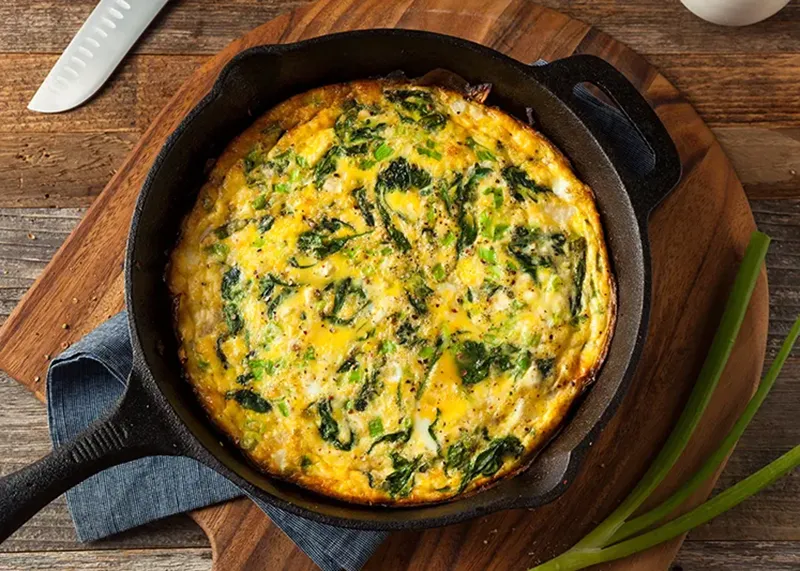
<point x="375" y="426"/>
<point x="355" y="375"/>
<point x="435" y="155"/>
<point x="427" y="352"/>
<point x="430" y="215"/>
<point x="487" y="228"/>
<point x="487" y="255"/>
<point x="484" y="155"/>
<point x="282" y="187"/>
<point x="218" y="249"/>
<point x="283" y="407"/>
<point x="438" y="272"/>
<point x="497" y="194"/>
<point x="448" y="239"/>
<point x="260" y="202"/>
<point x="387" y="347"/>
<point x="382" y="152"/>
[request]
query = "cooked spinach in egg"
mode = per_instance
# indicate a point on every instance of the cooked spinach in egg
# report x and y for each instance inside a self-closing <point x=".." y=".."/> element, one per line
<point x="391" y="293"/>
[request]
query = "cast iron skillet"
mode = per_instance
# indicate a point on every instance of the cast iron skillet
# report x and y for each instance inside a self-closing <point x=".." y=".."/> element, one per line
<point x="159" y="414"/>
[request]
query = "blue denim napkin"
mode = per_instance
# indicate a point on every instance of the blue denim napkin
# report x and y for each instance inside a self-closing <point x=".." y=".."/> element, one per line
<point x="85" y="381"/>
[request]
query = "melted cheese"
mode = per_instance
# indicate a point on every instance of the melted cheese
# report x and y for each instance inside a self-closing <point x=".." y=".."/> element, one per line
<point x="390" y="293"/>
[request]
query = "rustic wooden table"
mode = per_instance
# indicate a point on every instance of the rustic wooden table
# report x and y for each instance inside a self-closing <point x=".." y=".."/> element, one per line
<point x="744" y="82"/>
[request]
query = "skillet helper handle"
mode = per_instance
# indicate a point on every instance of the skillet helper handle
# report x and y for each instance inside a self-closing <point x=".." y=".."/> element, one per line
<point x="647" y="190"/>
<point x="125" y="434"/>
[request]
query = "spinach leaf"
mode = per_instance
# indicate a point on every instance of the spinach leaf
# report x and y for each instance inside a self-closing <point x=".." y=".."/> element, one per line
<point x="527" y="248"/>
<point x="354" y="135"/>
<point x="319" y="242"/>
<point x="449" y="190"/>
<point x="418" y="292"/>
<point x="473" y="361"/>
<point x="415" y="100"/>
<point x="329" y="428"/>
<point x="364" y="206"/>
<point x="520" y="184"/>
<point x="348" y="364"/>
<point x="249" y="400"/>
<point x="401" y="176"/>
<point x="326" y="166"/>
<point x="483" y="153"/>
<point x="417" y="106"/>
<point x="342" y="291"/>
<point x="267" y="285"/>
<point x="401" y="436"/>
<point x="557" y="241"/>
<point x="400" y="482"/>
<point x="395" y="234"/>
<point x="220" y="353"/>
<point x="230" y="289"/>
<point x="276" y="300"/>
<point x="491" y="459"/>
<point x="265" y="223"/>
<point x="430" y="363"/>
<point x="465" y="197"/>
<point x="407" y="333"/>
<point x="233" y="319"/>
<point x="280" y="162"/>
<point x="432" y="432"/>
<point x="274" y="291"/>
<point x="457" y="457"/>
<point x="371" y="388"/>
<point x="433" y="122"/>
<point x="545" y="365"/>
<point x="508" y="356"/>
<point x="578" y="260"/>
<point x="255" y="158"/>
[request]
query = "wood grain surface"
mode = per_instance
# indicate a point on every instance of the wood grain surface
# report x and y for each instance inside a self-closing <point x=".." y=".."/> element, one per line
<point x="751" y="105"/>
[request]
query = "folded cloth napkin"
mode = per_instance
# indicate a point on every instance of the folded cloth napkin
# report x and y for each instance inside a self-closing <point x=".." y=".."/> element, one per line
<point x="85" y="381"/>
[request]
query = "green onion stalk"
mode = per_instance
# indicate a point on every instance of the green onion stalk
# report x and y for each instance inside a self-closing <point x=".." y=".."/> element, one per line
<point x="613" y="538"/>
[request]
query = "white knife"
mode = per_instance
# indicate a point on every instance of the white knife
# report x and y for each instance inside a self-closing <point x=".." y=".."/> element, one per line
<point x="95" y="51"/>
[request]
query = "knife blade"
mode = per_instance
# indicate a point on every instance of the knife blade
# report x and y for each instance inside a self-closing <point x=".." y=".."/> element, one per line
<point x="96" y="50"/>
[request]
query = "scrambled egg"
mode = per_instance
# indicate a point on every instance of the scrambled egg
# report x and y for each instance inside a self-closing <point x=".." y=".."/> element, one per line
<point x="391" y="293"/>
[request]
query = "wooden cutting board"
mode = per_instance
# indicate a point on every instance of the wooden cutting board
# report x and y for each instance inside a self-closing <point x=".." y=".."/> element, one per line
<point x="698" y="237"/>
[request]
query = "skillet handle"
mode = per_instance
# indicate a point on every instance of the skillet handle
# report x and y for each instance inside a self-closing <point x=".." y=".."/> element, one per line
<point x="646" y="190"/>
<point x="129" y="432"/>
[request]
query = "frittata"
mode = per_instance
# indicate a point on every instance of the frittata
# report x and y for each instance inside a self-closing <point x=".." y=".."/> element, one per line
<point x="390" y="292"/>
